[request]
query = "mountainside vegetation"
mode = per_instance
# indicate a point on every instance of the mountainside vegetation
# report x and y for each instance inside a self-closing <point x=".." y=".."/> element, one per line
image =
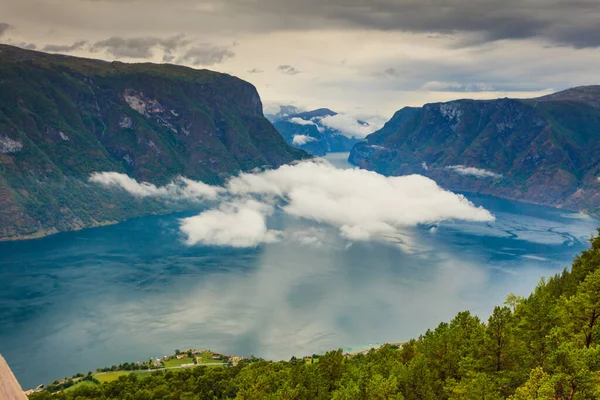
<point x="544" y="150"/>
<point x="63" y="118"/>
<point x="545" y="346"/>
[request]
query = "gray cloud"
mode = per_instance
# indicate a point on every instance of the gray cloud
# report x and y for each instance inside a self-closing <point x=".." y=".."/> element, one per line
<point x="206" y="55"/>
<point x="144" y="47"/>
<point x="569" y="22"/>
<point x="288" y="69"/>
<point x="57" y="48"/>
<point x="255" y="71"/>
<point x="437" y="86"/>
<point x="566" y="22"/>
<point x="140" y="47"/>
<point x="4" y="27"/>
<point x="573" y="23"/>
<point x="27" y="46"/>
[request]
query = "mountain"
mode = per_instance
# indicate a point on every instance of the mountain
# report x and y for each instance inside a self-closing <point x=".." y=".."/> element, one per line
<point x="63" y="118"/>
<point x="544" y="150"/>
<point x="308" y="131"/>
<point x="284" y="111"/>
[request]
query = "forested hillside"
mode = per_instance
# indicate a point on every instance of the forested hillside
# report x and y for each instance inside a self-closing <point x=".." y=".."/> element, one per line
<point x="543" y="150"/>
<point x="63" y="118"/>
<point x="545" y="346"/>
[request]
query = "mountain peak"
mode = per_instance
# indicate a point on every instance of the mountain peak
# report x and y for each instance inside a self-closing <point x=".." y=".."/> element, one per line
<point x="320" y="112"/>
<point x="589" y="95"/>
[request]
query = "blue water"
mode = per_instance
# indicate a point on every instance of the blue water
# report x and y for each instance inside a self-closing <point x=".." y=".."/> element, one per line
<point x="81" y="300"/>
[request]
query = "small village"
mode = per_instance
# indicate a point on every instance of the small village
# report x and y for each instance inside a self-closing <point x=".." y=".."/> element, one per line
<point x="191" y="358"/>
<point x="180" y="359"/>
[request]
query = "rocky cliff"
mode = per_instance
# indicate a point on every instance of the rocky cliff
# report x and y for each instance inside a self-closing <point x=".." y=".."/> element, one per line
<point x="544" y="150"/>
<point x="63" y="118"/>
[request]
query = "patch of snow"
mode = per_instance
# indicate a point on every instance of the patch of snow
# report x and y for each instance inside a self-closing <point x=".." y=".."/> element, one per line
<point x="505" y="126"/>
<point x="141" y="104"/>
<point x="128" y="159"/>
<point x="126" y="123"/>
<point x="8" y="145"/>
<point x="154" y="147"/>
<point x="452" y="112"/>
<point x="136" y="102"/>
<point x="63" y="136"/>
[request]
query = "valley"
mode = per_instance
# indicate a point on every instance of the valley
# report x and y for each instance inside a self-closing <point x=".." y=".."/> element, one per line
<point x="135" y="290"/>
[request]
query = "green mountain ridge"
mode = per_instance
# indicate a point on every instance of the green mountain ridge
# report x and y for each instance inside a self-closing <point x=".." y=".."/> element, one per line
<point x="63" y="118"/>
<point x="544" y="150"/>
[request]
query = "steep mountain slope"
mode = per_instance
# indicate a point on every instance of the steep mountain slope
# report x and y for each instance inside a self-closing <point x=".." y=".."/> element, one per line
<point x="62" y="118"/>
<point x="544" y="150"/>
<point x="307" y="131"/>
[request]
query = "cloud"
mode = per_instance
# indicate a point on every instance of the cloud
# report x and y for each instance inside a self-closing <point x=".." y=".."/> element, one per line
<point x="27" y="46"/>
<point x="139" y="47"/>
<point x="4" y="27"/>
<point x="206" y="55"/>
<point x="437" y="86"/>
<point x="255" y="71"/>
<point x="300" y="121"/>
<point x="300" y="140"/>
<point x="288" y="69"/>
<point x="564" y="22"/>
<point x="56" y="48"/>
<point x="236" y="224"/>
<point x="143" y="47"/>
<point x="471" y="171"/>
<point x="363" y="205"/>
<point x="350" y="126"/>
<point x="181" y="189"/>
<point x="561" y="21"/>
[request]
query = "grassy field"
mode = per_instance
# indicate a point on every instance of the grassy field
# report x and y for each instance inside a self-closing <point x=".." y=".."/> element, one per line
<point x="112" y="376"/>
<point x="174" y="362"/>
<point x="80" y="384"/>
<point x="206" y="358"/>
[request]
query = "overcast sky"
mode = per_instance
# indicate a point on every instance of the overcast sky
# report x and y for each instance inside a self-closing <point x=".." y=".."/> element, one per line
<point x="364" y="57"/>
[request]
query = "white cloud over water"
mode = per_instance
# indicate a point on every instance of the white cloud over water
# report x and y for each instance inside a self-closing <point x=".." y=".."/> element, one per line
<point x="361" y="205"/>
<point x="476" y="172"/>
<point x="233" y="224"/>
<point x="300" y="121"/>
<point x="180" y="189"/>
<point x="300" y="140"/>
<point x="350" y="126"/>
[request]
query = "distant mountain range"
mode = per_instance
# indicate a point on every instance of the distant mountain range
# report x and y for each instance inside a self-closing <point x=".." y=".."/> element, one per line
<point x="63" y="118"/>
<point x="310" y="131"/>
<point x="544" y="150"/>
